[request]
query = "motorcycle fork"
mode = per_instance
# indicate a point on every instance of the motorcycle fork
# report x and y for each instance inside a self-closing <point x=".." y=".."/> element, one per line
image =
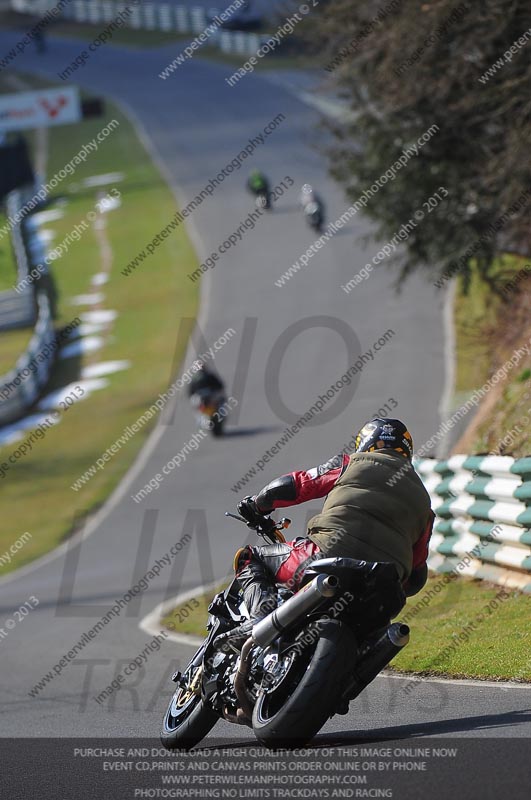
<point x="194" y="688"/>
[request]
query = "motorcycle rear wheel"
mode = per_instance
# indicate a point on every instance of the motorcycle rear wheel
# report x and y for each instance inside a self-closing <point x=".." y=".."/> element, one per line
<point x="217" y="427"/>
<point x="292" y="714"/>
<point x="262" y="200"/>
<point x="187" y="720"/>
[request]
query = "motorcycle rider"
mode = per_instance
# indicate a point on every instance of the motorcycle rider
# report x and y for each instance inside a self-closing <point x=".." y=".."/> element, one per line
<point x="257" y="183"/>
<point x="312" y="205"/>
<point x="204" y="380"/>
<point x="307" y="195"/>
<point x="376" y="509"/>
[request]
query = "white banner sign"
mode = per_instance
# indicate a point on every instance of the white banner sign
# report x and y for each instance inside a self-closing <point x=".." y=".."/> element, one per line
<point x="39" y="109"/>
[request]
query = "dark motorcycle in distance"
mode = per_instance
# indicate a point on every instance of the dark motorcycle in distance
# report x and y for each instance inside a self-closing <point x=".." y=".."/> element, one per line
<point x="314" y="213"/>
<point x="303" y="663"/>
<point x="258" y="184"/>
<point x="211" y="410"/>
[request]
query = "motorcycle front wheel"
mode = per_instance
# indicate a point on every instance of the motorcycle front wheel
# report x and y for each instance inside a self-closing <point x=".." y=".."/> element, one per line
<point x="187" y="720"/>
<point x="291" y="713"/>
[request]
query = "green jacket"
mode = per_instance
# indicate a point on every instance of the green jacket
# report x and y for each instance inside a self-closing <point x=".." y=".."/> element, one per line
<point x="377" y="511"/>
<point x="257" y="183"/>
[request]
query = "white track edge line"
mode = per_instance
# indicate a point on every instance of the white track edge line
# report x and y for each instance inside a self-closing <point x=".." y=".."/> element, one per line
<point x="151" y="624"/>
<point x="153" y="439"/>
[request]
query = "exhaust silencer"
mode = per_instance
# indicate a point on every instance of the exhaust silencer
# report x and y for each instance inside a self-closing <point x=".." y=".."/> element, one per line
<point x="308" y="598"/>
<point x="383" y="650"/>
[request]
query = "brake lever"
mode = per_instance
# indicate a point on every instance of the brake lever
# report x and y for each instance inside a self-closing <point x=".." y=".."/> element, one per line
<point x="268" y="529"/>
<point x="253" y="525"/>
<point x="235" y="516"/>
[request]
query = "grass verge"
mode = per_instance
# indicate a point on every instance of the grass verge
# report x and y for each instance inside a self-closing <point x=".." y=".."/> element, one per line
<point x="491" y="641"/>
<point x="125" y="37"/>
<point x="489" y="328"/>
<point x="189" y="618"/>
<point x="273" y="61"/>
<point x="12" y="345"/>
<point x="36" y="490"/>
<point x="87" y="32"/>
<point x="499" y="647"/>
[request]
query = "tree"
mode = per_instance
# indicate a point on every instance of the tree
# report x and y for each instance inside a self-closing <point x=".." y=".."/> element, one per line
<point x="406" y="66"/>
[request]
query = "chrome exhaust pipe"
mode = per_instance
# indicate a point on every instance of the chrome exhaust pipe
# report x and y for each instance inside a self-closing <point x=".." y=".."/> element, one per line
<point x="306" y="600"/>
<point x="398" y="635"/>
<point x="380" y="654"/>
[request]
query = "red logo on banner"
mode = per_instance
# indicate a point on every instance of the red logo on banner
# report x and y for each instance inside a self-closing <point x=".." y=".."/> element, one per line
<point x="52" y="109"/>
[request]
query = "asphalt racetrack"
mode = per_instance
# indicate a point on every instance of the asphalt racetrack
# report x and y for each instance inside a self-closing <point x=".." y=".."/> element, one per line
<point x="301" y="338"/>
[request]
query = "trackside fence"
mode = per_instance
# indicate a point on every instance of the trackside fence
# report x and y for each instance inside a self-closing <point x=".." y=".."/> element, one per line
<point x="151" y="17"/>
<point x="20" y="387"/>
<point x="483" y="517"/>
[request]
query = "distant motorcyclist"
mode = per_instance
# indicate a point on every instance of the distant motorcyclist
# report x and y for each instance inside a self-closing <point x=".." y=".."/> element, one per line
<point x="40" y="41"/>
<point x="307" y="195"/>
<point x="257" y="182"/>
<point x="207" y="397"/>
<point x="37" y="34"/>
<point x="204" y="380"/>
<point x="376" y="509"/>
<point x="312" y="206"/>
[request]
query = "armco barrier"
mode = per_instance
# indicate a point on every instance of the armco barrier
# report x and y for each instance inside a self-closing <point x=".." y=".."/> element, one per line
<point x="483" y="517"/>
<point x="21" y="387"/>
<point x="17" y="309"/>
<point x="150" y="17"/>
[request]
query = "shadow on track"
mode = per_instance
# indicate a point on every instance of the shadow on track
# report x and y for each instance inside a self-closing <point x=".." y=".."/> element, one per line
<point x="483" y="722"/>
<point x="252" y="431"/>
<point x="346" y="738"/>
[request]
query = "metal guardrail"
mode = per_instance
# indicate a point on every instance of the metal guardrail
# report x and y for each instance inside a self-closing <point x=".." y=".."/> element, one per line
<point x="483" y="517"/>
<point x="151" y="17"/>
<point x="21" y="386"/>
<point x="17" y="309"/>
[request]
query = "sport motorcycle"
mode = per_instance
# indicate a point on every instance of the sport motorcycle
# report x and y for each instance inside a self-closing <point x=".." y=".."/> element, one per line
<point x="303" y="663"/>
<point x="211" y="410"/>
<point x="314" y="214"/>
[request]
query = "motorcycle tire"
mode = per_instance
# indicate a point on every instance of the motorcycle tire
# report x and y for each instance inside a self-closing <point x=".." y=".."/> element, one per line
<point x="262" y="201"/>
<point x="186" y="721"/>
<point x="217" y="428"/>
<point x="292" y="714"/>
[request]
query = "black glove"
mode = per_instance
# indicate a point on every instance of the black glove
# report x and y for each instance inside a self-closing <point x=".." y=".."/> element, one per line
<point x="248" y="509"/>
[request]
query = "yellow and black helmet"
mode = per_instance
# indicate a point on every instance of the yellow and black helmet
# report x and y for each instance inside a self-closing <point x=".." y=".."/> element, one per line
<point x="386" y="433"/>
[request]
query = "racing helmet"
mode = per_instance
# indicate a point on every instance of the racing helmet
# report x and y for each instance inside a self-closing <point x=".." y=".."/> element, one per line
<point x="383" y="432"/>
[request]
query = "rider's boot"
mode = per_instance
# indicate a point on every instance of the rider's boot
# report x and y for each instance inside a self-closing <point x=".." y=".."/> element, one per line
<point x="260" y="599"/>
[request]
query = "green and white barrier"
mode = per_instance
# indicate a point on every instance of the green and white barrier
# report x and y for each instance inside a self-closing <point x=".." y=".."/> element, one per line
<point x="483" y="517"/>
<point x="192" y="20"/>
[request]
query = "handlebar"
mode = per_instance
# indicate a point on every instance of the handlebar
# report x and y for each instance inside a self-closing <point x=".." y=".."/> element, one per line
<point x="265" y="526"/>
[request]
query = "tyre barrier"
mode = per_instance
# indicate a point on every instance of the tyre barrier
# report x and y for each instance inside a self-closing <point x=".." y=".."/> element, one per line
<point x="150" y="17"/>
<point x="482" y="508"/>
